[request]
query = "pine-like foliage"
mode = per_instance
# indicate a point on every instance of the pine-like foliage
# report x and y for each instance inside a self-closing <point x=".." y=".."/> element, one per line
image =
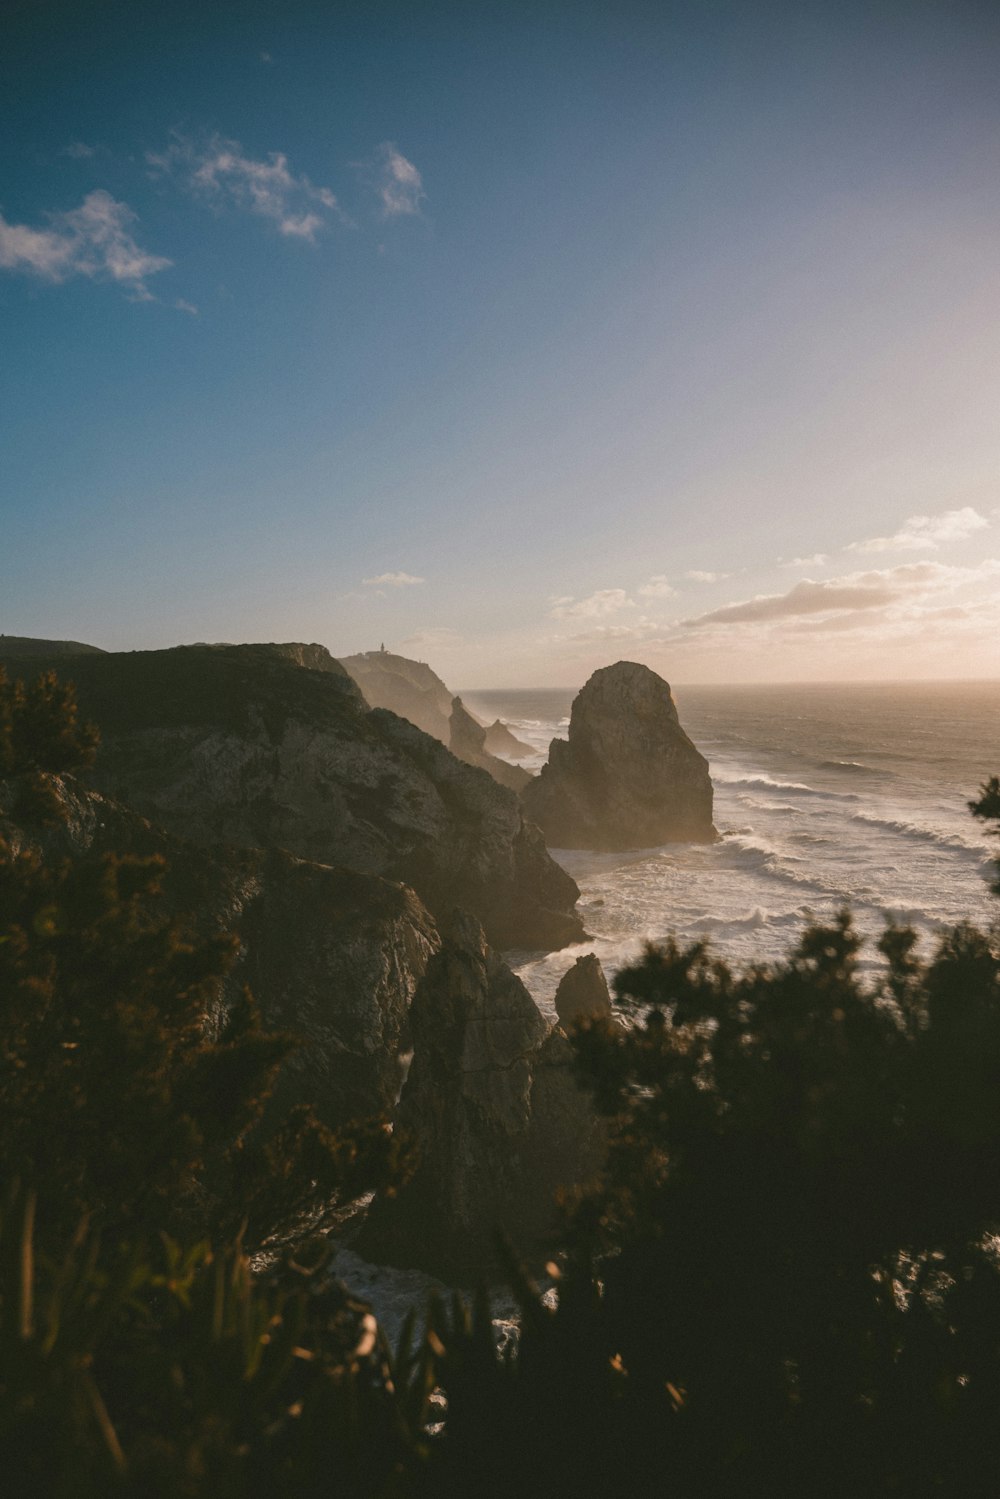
<point x="122" y="1094"/>
<point x="135" y="1357"/>
<point x="788" y="1281"/>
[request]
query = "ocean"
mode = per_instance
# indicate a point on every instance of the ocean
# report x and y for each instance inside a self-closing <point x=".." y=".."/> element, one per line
<point x="825" y="795"/>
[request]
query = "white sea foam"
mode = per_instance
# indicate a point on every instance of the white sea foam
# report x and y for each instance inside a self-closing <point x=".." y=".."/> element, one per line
<point x="790" y="788"/>
<point x="800" y="780"/>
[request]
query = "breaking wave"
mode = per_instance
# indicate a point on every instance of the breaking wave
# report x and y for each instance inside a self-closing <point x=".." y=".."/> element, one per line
<point x="788" y="788"/>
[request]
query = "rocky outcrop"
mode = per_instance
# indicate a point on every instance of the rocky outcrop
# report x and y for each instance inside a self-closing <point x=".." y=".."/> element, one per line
<point x="331" y="957"/>
<point x="411" y="690"/>
<point x="467" y="740"/>
<point x="583" y="992"/>
<point x="497" y="1116"/>
<point x="628" y="776"/>
<point x="500" y="741"/>
<point x="274" y="747"/>
<point x="407" y="688"/>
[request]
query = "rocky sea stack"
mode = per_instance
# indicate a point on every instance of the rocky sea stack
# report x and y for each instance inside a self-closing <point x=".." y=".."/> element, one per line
<point x="628" y="776"/>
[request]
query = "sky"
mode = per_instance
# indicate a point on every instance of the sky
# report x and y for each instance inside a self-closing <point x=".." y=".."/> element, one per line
<point x="522" y="338"/>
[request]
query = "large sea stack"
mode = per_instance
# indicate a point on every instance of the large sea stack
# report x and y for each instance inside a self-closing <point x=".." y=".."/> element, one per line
<point x="628" y="776"/>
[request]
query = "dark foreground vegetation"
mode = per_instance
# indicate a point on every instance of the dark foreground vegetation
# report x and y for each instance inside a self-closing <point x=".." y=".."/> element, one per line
<point x="787" y="1283"/>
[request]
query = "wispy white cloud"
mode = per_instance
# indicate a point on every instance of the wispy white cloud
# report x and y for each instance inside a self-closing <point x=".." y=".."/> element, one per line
<point x="697" y="576"/>
<point x="914" y="585"/>
<point x="392" y="580"/>
<point x="266" y="57"/>
<point x="80" y="151"/>
<point x="398" y="183"/>
<point x="221" y="172"/>
<point x="641" y="631"/>
<point x="185" y="306"/>
<point x="598" y="605"/>
<point x="926" y="532"/>
<point x="436" y="638"/>
<point x="656" y="588"/>
<point x="818" y="559"/>
<point x="94" y="240"/>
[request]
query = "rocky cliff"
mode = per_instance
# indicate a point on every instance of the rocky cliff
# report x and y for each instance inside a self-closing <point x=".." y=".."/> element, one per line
<point x="467" y="741"/>
<point x="628" y="776"/>
<point x="497" y="1115"/>
<point x="331" y="956"/>
<point x="410" y="689"/>
<point x="274" y="747"/>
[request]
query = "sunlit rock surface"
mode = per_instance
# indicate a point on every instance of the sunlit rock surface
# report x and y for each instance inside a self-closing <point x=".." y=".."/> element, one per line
<point x="408" y="688"/>
<point x="628" y="776"/>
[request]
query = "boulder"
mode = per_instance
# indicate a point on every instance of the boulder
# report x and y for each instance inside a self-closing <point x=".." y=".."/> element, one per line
<point x="467" y="740"/>
<point x="496" y="1114"/>
<point x="274" y="747"/>
<point x="628" y="776"/>
<point x="583" y="992"/>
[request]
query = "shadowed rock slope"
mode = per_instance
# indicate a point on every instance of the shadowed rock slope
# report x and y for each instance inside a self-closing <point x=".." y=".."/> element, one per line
<point x="274" y="747"/>
<point x="628" y="776"/>
<point x="498" y="1117"/>
<point x="331" y="956"/>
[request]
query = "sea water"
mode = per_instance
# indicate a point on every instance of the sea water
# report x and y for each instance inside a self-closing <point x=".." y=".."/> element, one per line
<point x="825" y="796"/>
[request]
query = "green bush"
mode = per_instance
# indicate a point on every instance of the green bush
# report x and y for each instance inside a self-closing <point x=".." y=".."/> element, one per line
<point x="138" y="1352"/>
<point x="788" y="1281"/>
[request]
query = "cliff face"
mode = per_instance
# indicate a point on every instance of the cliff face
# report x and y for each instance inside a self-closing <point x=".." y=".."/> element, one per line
<point x="331" y="956"/>
<point x="467" y="742"/>
<point x="274" y="747"/>
<point x="499" y="1120"/>
<point x="628" y="776"/>
<point x="407" y="688"/>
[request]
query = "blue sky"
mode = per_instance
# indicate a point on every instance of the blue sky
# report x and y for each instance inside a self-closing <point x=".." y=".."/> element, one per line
<point x="522" y="338"/>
